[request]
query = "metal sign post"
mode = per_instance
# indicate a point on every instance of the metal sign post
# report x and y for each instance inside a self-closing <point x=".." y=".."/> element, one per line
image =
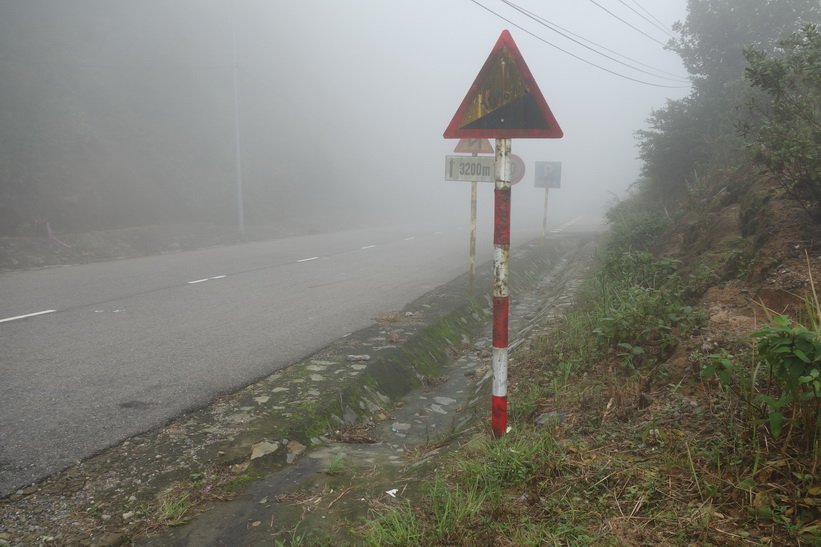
<point x="472" y="268"/>
<point x="452" y="169"/>
<point x="544" y="219"/>
<point x="503" y="103"/>
<point x="548" y="175"/>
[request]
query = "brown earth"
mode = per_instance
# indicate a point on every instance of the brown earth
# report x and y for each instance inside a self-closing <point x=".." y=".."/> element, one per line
<point x="692" y="433"/>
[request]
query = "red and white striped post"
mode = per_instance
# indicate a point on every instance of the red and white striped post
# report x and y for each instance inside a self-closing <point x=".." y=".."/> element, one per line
<point x="502" y="103"/>
<point x="501" y="292"/>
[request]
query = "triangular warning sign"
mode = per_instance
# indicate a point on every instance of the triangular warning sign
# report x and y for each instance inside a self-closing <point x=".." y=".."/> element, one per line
<point x="473" y="146"/>
<point x="504" y="101"/>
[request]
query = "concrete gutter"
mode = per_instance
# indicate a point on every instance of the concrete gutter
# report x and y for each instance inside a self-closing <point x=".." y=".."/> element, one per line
<point x="358" y="378"/>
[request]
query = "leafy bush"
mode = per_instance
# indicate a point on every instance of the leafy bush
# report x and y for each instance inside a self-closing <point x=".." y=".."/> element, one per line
<point x="645" y="301"/>
<point x="793" y="353"/>
<point x="635" y="225"/>
<point x="788" y="143"/>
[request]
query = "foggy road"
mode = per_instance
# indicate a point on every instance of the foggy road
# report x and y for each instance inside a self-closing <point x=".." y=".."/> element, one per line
<point x="126" y="345"/>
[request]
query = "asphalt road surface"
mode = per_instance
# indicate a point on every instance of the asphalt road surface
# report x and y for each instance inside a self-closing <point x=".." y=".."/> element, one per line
<point x="93" y="354"/>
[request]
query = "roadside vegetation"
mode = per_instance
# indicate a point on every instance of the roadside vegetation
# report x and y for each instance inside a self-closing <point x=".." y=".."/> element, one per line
<point x="679" y="401"/>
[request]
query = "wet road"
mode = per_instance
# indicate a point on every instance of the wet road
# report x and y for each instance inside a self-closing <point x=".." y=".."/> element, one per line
<point x="93" y="354"/>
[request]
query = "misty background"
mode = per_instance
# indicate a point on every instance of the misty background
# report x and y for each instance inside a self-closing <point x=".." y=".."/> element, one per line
<point x="116" y="114"/>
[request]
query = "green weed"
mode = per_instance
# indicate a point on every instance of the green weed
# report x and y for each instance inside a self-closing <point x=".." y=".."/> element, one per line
<point x="337" y="464"/>
<point x="394" y="526"/>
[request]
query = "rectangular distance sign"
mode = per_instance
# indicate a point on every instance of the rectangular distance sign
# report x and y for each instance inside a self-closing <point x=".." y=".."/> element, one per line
<point x="470" y="168"/>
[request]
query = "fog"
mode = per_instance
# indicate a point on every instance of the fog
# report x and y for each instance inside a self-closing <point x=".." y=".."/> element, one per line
<point x="387" y="77"/>
<point x="342" y="104"/>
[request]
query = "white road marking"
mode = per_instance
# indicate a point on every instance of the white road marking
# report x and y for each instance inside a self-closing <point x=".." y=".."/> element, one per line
<point x="368" y="247"/>
<point x="27" y="315"/>
<point x="565" y="225"/>
<point x="307" y="259"/>
<point x="207" y="279"/>
<point x="409" y="238"/>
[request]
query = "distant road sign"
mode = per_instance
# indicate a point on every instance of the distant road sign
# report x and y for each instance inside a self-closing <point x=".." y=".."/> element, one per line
<point x="470" y="168"/>
<point x="548" y="174"/>
<point x="504" y="101"/>
<point x="517" y="169"/>
<point x="473" y="146"/>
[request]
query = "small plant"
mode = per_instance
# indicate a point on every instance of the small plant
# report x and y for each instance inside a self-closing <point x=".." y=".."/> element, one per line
<point x="721" y="367"/>
<point x="197" y="479"/>
<point x="631" y="353"/>
<point x="793" y="353"/>
<point x="453" y="507"/>
<point x="173" y="508"/>
<point x="512" y="459"/>
<point x="337" y="464"/>
<point x="394" y="526"/>
<point x="294" y="539"/>
<point x="775" y="412"/>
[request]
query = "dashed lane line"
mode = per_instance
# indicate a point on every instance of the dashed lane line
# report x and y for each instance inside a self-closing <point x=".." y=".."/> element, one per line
<point x="206" y="279"/>
<point x="565" y="225"/>
<point x="27" y="315"/>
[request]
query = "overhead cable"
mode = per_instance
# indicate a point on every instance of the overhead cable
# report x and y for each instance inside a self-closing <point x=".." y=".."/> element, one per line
<point x="552" y="26"/>
<point x="657" y="25"/>
<point x="574" y="55"/>
<point x="626" y="23"/>
<point x="645" y="10"/>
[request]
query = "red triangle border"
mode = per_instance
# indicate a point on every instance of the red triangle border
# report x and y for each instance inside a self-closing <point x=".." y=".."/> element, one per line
<point x="552" y="132"/>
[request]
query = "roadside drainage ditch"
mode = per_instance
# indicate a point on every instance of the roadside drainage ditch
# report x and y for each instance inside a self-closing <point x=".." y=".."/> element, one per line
<point x="379" y="455"/>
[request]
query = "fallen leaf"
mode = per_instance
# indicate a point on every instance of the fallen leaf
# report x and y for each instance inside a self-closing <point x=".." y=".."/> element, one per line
<point x="263" y="500"/>
<point x="256" y="523"/>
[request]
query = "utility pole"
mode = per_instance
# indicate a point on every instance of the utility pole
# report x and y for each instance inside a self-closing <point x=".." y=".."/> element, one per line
<point x="238" y="151"/>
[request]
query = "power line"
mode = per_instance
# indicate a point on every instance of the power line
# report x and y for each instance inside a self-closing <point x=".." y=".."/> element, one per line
<point x="573" y="55"/>
<point x="544" y="22"/>
<point x="666" y="29"/>
<point x="660" y="27"/>
<point x="626" y="23"/>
